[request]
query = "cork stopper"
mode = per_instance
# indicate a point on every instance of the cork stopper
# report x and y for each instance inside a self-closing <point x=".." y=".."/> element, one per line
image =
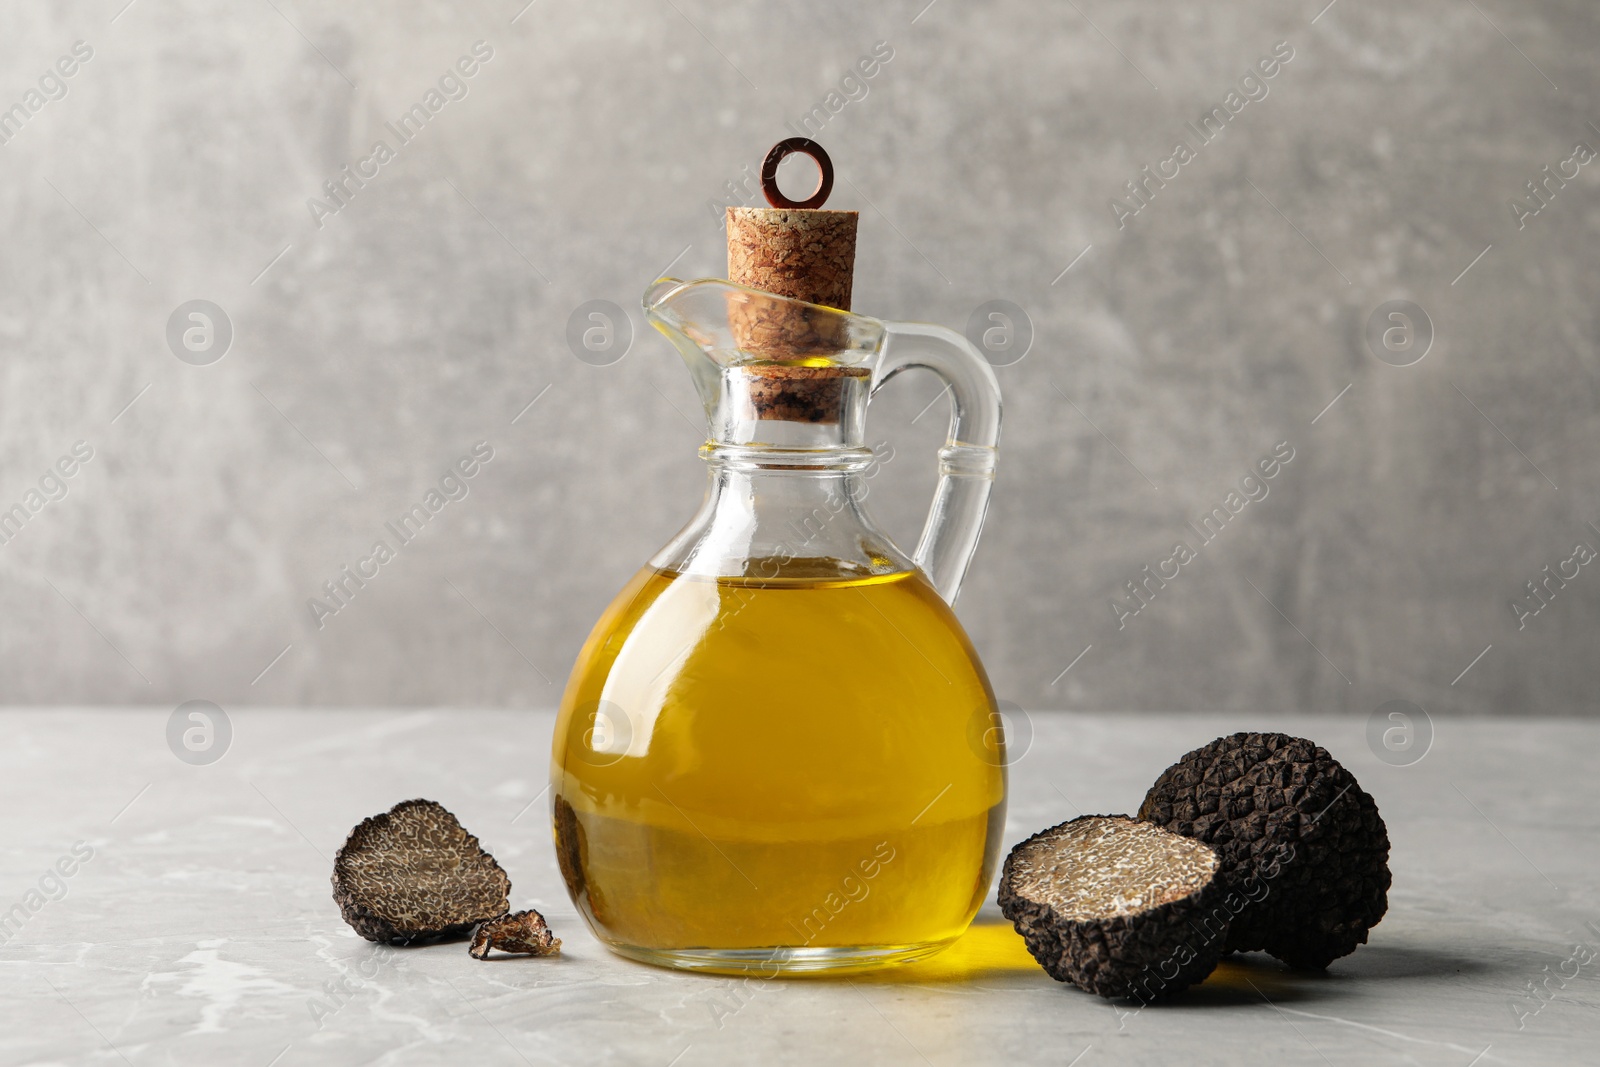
<point x="796" y="250"/>
<point x="802" y="253"/>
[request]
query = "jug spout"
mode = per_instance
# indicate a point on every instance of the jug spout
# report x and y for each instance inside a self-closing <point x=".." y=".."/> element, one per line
<point x="771" y="371"/>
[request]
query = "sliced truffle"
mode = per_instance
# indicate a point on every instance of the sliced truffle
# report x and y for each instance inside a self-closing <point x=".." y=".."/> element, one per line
<point x="1117" y="907"/>
<point x="520" y="931"/>
<point x="1301" y="843"/>
<point x="414" y="874"/>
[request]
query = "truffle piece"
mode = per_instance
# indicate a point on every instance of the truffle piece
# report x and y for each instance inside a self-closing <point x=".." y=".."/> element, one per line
<point x="1117" y="907"/>
<point x="1301" y="843"/>
<point x="518" y="931"/>
<point x="414" y="874"/>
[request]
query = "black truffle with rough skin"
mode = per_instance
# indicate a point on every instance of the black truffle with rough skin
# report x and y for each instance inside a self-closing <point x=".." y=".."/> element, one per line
<point x="1117" y="907"/>
<point x="415" y="874"/>
<point x="1300" y="841"/>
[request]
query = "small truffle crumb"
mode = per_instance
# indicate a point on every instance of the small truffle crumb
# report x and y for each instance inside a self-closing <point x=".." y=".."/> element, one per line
<point x="518" y="931"/>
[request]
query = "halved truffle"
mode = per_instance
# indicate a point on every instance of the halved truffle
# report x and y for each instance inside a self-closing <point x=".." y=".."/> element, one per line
<point x="1117" y="907"/>
<point x="521" y="931"/>
<point x="415" y="874"/>
<point x="1301" y="843"/>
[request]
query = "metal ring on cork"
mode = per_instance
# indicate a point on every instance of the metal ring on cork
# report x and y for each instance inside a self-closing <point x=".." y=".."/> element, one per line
<point x="783" y="150"/>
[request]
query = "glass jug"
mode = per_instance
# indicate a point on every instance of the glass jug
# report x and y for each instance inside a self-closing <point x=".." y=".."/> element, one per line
<point x="778" y="751"/>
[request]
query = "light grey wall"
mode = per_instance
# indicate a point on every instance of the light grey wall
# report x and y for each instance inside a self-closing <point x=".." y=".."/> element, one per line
<point x="371" y="351"/>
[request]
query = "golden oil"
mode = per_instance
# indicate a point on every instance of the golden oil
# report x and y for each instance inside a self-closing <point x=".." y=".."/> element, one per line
<point x="798" y="772"/>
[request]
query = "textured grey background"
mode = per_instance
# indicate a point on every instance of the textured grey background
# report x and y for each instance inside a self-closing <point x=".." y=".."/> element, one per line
<point x="372" y="351"/>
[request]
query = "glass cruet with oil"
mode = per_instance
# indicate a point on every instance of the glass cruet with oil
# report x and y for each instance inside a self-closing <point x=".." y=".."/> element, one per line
<point x="778" y="751"/>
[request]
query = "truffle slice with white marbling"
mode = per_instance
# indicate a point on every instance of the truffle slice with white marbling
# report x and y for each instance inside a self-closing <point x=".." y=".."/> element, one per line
<point x="1117" y="907"/>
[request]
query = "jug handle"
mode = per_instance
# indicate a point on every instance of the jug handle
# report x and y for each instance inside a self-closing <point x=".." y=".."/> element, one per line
<point x="967" y="460"/>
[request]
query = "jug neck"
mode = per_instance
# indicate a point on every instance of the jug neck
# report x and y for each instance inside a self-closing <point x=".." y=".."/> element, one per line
<point x="779" y="514"/>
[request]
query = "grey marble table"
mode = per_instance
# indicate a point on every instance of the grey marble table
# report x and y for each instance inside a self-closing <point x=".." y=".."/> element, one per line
<point x="195" y="925"/>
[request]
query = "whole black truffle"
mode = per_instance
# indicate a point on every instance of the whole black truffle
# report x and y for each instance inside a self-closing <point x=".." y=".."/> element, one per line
<point x="1117" y="907"/>
<point x="1302" y="845"/>
<point x="415" y="874"/>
